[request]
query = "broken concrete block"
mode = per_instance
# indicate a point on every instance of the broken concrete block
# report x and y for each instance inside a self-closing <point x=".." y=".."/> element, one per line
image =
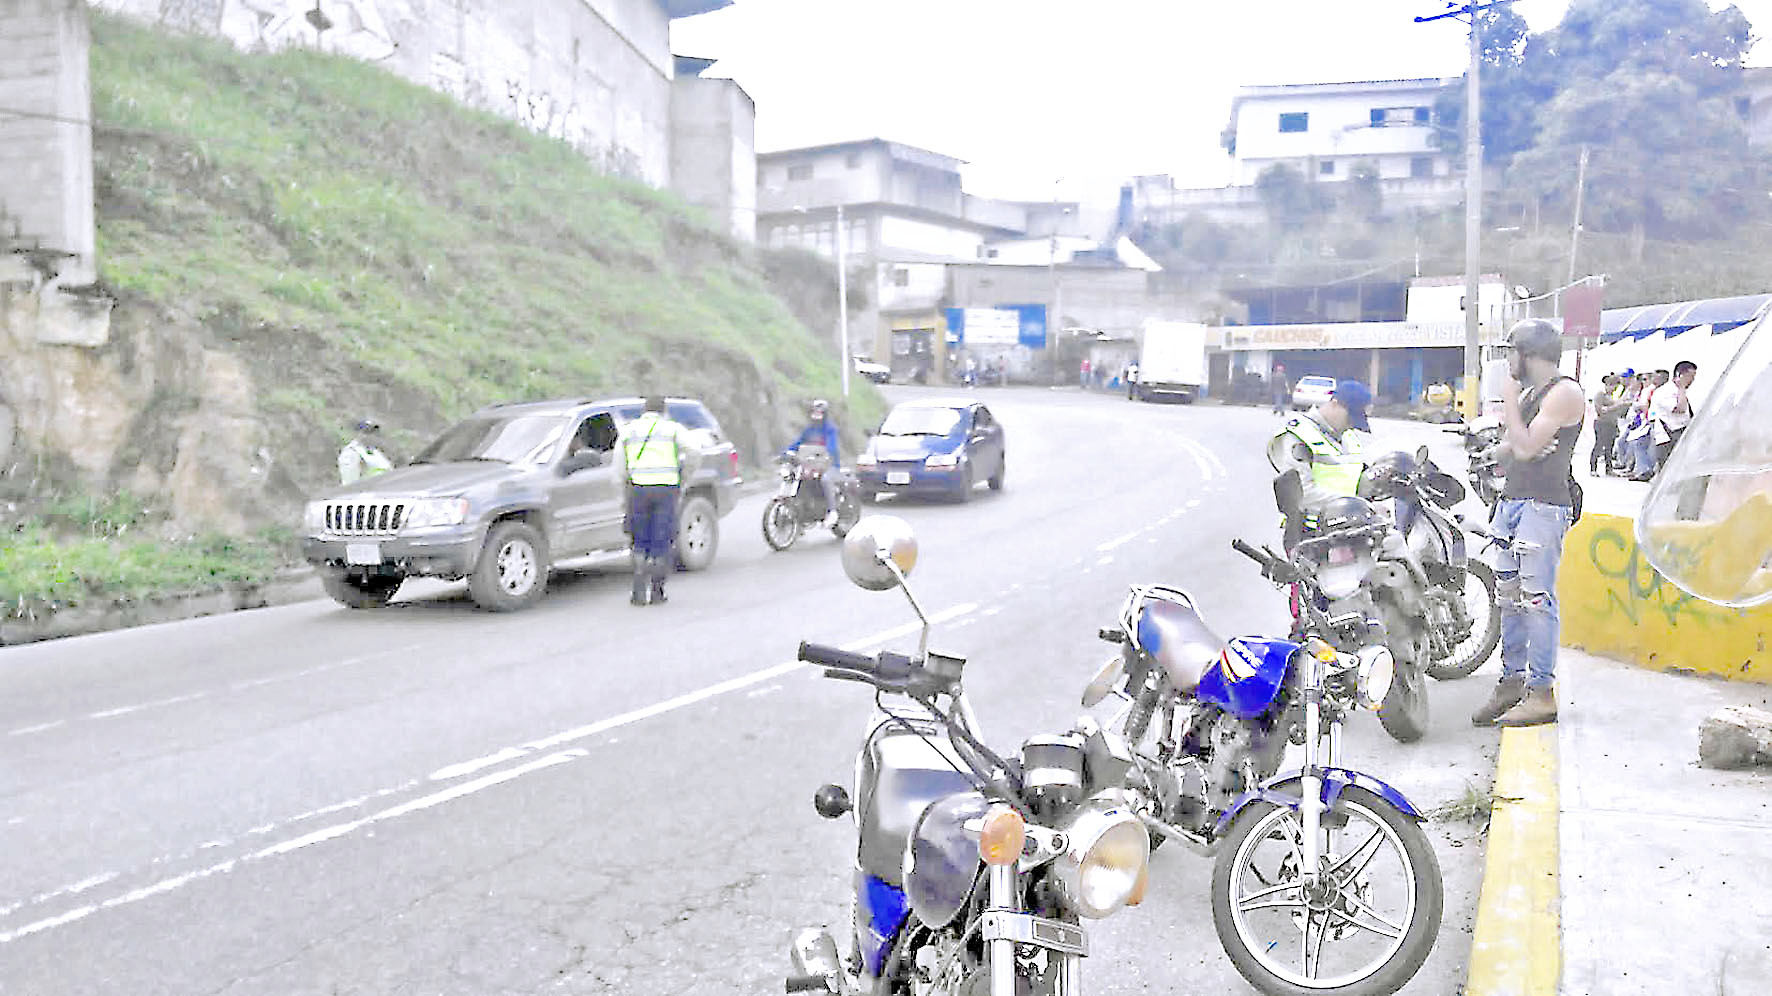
<point x="1735" y="737"/>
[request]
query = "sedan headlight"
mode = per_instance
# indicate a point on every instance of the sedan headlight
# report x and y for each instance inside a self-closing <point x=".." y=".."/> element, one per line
<point x="1104" y="865"/>
<point x="867" y="459"/>
<point x="430" y="513"/>
<point x="1377" y="669"/>
<point x="937" y="460"/>
<point x="313" y="518"/>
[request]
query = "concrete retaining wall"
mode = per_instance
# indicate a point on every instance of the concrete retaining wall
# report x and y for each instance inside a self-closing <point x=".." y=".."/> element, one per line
<point x="1614" y="603"/>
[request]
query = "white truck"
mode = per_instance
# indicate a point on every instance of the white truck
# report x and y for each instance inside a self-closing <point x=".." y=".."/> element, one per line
<point x="1171" y="361"/>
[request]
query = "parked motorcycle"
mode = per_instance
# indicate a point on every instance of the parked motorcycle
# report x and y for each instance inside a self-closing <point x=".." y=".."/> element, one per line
<point x="1368" y="584"/>
<point x="799" y="504"/>
<point x="1324" y="881"/>
<point x="1463" y="624"/>
<point x="1482" y="450"/>
<point x="973" y="871"/>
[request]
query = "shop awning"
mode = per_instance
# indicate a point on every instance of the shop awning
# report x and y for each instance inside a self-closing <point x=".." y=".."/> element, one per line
<point x="1721" y="313"/>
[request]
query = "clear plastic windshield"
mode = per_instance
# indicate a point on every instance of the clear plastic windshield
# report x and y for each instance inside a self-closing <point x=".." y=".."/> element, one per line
<point x="1706" y="524"/>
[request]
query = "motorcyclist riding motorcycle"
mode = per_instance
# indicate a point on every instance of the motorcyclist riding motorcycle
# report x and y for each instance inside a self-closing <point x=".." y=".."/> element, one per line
<point x="821" y="431"/>
<point x="1327" y="446"/>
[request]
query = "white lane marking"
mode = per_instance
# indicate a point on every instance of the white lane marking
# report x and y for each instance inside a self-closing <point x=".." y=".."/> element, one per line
<point x="139" y="706"/>
<point x="297" y="843"/>
<point x="670" y="705"/>
<point x="70" y="890"/>
<point x="39" y="728"/>
<point x="1121" y="541"/>
<point x="1199" y="453"/>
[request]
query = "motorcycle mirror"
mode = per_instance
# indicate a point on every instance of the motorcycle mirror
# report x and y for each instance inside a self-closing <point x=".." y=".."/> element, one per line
<point x="1289" y="492"/>
<point x="1421" y="456"/>
<point x="876" y="542"/>
<point x="831" y="801"/>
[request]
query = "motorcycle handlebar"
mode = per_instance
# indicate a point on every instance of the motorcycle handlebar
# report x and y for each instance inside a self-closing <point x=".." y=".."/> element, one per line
<point x="836" y="657"/>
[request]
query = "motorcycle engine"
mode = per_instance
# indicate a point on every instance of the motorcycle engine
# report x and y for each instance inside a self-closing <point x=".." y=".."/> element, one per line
<point x="1231" y="741"/>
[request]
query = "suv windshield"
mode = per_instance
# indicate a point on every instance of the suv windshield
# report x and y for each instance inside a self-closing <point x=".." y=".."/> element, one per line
<point x="687" y="414"/>
<point x="920" y="422"/>
<point x="503" y="439"/>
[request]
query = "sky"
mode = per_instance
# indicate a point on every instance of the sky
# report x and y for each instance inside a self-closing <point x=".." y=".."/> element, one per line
<point x="1064" y="98"/>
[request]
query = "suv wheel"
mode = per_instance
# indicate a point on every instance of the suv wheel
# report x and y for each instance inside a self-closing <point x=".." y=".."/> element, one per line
<point x="698" y="534"/>
<point x="513" y="568"/>
<point x="360" y="591"/>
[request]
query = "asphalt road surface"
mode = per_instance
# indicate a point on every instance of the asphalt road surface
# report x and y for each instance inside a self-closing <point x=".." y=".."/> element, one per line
<point x="589" y="797"/>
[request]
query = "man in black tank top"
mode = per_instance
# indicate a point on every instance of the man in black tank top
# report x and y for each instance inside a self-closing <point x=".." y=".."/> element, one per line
<point x="1542" y="412"/>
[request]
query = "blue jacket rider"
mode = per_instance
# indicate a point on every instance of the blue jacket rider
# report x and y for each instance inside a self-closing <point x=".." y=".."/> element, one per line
<point x="821" y="431"/>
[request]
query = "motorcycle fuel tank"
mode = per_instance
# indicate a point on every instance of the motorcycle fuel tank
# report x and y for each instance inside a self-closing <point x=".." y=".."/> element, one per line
<point x="1248" y="676"/>
<point x="899" y="775"/>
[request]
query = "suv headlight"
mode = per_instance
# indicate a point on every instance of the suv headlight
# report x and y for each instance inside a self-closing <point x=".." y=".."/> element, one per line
<point x="866" y="459"/>
<point x="1105" y="862"/>
<point x="943" y="459"/>
<point x="430" y="513"/>
<point x="313" y="518"/>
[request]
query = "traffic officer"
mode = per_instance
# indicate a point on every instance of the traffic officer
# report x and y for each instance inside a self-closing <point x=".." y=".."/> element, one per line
<point x="656" y="454"/>
<point x="1326" y="445"/>
<point x="363" y="456"/>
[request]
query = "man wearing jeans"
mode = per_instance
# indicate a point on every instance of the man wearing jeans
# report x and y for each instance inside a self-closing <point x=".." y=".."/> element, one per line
<point x="1542" y="412"/>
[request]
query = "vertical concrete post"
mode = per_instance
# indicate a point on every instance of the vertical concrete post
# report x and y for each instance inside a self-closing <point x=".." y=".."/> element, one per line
<point x="46" y="135"/>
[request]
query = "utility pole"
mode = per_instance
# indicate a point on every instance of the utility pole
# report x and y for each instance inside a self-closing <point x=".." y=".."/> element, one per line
<point x="843" y="299"/>
<point x="1574" y="246"/>
<point x="1473" y="193"/>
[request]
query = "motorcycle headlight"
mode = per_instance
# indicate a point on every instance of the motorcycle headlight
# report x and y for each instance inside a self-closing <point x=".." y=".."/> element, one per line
<point x="429" y="513"/>
<point x="942" y="460"/>
<point x="1377" y="669"/>
<point x="313" y="517"/>
<point x="1342" y="580"/>
<point x="1104" y="865"/>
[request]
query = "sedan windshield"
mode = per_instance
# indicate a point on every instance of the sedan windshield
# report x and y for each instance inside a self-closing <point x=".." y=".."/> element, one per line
<point x="500" y="439"/>
<point x="920" y="422"/>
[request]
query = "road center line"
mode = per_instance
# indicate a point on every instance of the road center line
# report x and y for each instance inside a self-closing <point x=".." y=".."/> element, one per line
<point x="670" y="705"/>
<point x="1118" y="542"/>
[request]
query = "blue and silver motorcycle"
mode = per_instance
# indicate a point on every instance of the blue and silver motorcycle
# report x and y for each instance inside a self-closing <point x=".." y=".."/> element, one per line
<point x="974" y="873"/>
<point x="1324" y="882"/>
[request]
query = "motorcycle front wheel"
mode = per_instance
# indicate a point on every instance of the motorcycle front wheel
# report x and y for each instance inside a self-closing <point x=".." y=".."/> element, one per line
<point x="1364" y="930"/>
<point x="1479" y="602"/>
<point x="1404" y="712"/>
<point x="781" y="527"/>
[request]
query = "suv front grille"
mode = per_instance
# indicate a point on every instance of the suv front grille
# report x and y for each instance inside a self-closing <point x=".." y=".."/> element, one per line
<point x="364" y="518"/>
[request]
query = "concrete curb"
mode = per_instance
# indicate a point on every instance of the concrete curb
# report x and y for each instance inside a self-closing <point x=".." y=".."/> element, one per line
<point x="294" y="585"/>
<point x="1517" y="946"/>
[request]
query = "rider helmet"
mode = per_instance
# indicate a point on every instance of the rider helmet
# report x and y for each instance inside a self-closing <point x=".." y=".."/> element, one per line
<point x="818" y="408"/>
<point x="1383" y="474"/>
<point x="368" y="425"/>
<point x="1537" y="337"/>
<point x="1347" y="512"/>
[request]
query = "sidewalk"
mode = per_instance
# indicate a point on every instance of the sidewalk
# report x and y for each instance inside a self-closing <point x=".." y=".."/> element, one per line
<point x="1662" y="867"/>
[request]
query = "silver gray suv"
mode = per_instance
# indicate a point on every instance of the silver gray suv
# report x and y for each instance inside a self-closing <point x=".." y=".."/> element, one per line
<point x="502" y="497"/>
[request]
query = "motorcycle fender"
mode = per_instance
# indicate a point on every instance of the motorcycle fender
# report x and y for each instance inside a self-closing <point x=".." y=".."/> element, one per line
<point x="1404" y="586"/>
<point x="1283" y="790"/>
<point x="941" y="862"/>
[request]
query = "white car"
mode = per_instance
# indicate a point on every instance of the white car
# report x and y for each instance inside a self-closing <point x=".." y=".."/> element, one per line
<point x="1312" y="391"/>
<point x="879" y="373"/>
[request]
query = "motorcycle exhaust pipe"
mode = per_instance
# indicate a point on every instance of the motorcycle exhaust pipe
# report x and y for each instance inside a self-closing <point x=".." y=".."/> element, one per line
<point x="1192" y="841"/>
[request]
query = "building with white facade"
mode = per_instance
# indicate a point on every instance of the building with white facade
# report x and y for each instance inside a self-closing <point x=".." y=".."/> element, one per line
<point x="1325" y="130"/>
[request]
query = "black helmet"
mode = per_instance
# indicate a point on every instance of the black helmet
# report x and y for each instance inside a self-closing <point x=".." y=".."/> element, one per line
<point x="1347" y="512"/>
<point x="1383" y="474"/>
<point x="1537" y="337"/>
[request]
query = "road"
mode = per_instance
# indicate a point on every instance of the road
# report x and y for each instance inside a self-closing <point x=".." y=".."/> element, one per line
<point x="588" y="797"/>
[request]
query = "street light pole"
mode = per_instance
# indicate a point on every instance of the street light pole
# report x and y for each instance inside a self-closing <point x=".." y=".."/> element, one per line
<point x="1473" y="194"/>
<point x="843" y="299"/>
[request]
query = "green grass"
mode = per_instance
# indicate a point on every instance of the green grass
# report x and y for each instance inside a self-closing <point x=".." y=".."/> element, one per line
<point x="1471" y="806"/>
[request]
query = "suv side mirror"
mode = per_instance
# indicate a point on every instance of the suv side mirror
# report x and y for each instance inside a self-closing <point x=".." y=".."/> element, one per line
<point x="580" y="461"/>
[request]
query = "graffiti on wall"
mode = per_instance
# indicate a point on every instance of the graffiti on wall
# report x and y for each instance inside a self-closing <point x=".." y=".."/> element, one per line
<point x="348" y="27"/>
<point x="1636" y="587"/>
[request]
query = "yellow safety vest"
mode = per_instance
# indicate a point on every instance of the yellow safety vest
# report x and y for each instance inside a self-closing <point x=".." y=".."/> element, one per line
<point x="1335" y="467"/>
<point x="650" y="450"/>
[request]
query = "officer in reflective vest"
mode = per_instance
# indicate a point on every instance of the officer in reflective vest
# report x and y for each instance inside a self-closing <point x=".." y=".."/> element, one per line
<point x="1326" y="445"/>
<point x="363" y="456"/>
<point x="655" y="457"/>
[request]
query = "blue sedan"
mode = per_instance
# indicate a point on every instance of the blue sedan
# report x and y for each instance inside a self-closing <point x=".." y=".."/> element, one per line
<point x="933" y="447"/>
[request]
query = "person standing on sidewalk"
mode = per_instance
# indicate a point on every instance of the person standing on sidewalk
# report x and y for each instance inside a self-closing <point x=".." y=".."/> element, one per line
<point x="1542" y="412"/>
<point x="656" y="454"/>
<point x="1671" y="411"/>
<point x="1606" y="410"/>
<point x="1281" y="395"/>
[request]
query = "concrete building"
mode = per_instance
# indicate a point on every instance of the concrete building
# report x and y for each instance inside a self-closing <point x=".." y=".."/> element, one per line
<point x="45" y="147"/>
<point x="714" y="145"/>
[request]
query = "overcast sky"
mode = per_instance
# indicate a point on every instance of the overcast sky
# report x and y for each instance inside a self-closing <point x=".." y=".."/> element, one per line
<point x="1030" y="91"/>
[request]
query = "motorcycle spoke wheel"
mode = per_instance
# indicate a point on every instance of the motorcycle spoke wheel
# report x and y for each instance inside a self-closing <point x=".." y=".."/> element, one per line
<point x="1479" y="603"/>
<point x="780" y="525"/>
<point x="1365" y="928"/>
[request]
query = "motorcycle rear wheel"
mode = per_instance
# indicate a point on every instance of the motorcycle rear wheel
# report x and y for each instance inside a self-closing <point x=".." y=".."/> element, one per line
<point x="1255" y="924"/>
<point x="1485" y="629"/>
<point x="781" y="527"/>
<point x="1404" y="714"/>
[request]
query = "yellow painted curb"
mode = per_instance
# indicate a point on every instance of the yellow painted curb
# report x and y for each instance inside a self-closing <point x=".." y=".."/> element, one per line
<point x="1517" y="949"/>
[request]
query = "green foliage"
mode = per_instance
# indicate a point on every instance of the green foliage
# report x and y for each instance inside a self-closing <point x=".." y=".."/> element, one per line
<point x="1290" y="199"/>
<point x="1473" y="805"/>
<point x="42" y="570"/>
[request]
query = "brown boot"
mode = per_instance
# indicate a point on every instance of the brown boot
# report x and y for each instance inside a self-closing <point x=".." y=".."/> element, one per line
<point x="1508" y="693"/>
<point x="1539" y="707"/>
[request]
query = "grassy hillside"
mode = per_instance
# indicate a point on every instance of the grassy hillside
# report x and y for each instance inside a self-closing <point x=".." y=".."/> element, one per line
<point x="367" y="246"/>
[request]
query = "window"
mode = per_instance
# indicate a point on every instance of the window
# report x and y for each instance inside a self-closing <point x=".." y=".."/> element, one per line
<point x="800" y="172"/>
<point x="901" y="277"/>
<point x="1423" y="115"/>
<point x="981" y="417"/>
<point x="1400" y="117"/>
<point x="1300" y="121"/>
<point x="595" y="433"/>
<point x="1421" y="167"/>
<point x="1326" y="168"/>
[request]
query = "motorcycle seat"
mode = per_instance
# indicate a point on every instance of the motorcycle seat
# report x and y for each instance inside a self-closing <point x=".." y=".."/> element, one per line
<point x="1181" y="643"/>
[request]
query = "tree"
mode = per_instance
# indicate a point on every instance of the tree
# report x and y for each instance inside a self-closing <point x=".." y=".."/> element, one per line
<point x="1664" y="161"/>
<point x="1364" y="195"/>
<point x="1683" y="38"/>
<point x="1519" y="77"/>
<point x="1291" y="201"/>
